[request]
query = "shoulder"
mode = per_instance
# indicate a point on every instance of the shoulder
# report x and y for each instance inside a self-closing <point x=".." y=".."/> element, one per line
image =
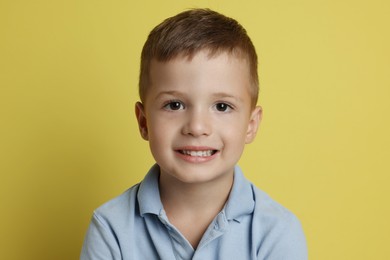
<point x="268" y="209"/>
<point x="109" y="225"/>
<point x="133" y="203"/>
<point x="119" y="207"/>
<point x="277" y="229"/>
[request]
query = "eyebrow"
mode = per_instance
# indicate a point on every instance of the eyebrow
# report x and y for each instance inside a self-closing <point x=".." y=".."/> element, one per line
<point x="170" y="93"/>
<point x="182" y="94"/>
<point x="226" y="95"/>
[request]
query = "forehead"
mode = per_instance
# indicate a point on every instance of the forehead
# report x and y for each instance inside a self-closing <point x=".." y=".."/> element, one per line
<point x="218" y="66"/>
<point x="221" y="72"/>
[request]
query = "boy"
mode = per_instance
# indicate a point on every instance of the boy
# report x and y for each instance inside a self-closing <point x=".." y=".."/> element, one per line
<point x="198" y="90"/>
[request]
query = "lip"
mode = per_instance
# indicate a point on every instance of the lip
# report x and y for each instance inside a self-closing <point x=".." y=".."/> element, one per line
<point x="196" y="158"/>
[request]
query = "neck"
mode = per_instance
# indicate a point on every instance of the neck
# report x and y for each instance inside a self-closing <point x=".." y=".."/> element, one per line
<point x="194" y="198"/>
<point x="191" y="207"/>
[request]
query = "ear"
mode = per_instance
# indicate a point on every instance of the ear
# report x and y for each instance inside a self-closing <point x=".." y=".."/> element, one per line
<point x="253" y="125"/>
<point x="141" y="118"/>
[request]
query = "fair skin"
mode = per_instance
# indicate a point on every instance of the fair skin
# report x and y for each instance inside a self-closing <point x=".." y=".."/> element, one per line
<point x="197" y="117"/>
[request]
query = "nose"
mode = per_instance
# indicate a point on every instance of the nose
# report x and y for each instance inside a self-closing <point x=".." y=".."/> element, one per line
<point x="198" y="123"/>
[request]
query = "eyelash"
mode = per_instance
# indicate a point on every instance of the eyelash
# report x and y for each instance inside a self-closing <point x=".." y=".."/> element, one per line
<point x="168" y="105"/>
<point x="174" y="105"/>
<point x="227" y="107"/>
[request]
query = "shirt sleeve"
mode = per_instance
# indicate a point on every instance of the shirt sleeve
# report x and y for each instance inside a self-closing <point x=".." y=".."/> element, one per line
<point x="291" y="243"/>
<point x="100" y="242"/>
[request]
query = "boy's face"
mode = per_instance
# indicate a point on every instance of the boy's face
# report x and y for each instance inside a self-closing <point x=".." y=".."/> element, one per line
<point x="197" y="116"/>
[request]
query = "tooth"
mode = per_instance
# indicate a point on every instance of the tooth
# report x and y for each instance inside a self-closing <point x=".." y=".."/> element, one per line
<point x="198" y="153"/>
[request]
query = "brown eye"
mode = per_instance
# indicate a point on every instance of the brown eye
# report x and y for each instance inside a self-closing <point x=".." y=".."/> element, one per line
<point x="174" y="105"/>
<point x="222" y="107"/>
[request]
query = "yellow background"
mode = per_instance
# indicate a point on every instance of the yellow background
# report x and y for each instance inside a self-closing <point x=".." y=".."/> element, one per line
<point x="68" y="135"/>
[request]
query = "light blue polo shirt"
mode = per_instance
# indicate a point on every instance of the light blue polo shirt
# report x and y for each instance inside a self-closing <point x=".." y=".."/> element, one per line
<point x="134" y="226"/>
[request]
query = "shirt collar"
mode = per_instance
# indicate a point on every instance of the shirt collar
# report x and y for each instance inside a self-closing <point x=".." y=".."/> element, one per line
<point x="149" y="194"/>
<point x="240" y="200"/>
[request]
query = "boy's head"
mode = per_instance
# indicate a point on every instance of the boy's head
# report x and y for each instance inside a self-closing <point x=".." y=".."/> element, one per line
<point x="198" y="88"/>
<point x="190" y="32"/>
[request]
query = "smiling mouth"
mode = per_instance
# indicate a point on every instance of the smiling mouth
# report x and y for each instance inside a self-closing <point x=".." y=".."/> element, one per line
<point x="204" y="153"/>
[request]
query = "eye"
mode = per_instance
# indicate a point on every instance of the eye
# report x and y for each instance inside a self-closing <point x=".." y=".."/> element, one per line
<point x="174" y="105"/>
<point x="223" y="107"/>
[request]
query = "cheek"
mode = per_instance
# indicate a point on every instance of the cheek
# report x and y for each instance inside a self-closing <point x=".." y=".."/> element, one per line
<point x="160" y="127"/>
<point x="158" y="144"/>
<point x="161" y="131"/>
<point x="236" y="129"/>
